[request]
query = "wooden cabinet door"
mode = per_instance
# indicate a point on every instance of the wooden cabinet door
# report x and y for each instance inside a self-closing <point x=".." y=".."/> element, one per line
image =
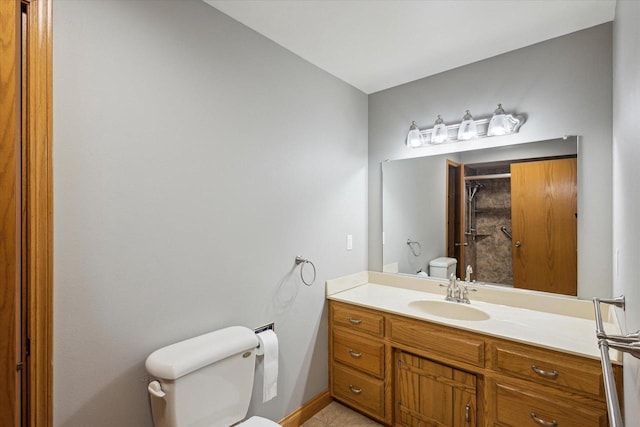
<point x="431" y="394"/>
<point x="544" y="220"/>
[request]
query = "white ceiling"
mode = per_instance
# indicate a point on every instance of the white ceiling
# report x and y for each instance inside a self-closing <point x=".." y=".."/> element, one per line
<point x="377" y="44"/>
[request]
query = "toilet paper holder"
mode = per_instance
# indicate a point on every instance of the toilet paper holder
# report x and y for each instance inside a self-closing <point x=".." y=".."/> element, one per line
<point x="268" y="326"/>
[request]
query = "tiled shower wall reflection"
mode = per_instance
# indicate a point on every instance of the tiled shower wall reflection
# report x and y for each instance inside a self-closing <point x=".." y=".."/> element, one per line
<point x="490" y="251"/>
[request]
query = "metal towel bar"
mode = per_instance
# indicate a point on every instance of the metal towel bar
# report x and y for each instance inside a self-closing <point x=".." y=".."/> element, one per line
<point x="629" y="343"/>
<point x="506" y="232"/>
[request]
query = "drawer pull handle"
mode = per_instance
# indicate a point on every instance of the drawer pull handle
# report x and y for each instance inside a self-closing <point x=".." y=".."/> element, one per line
<point x="542" y="422"/>
<point x="354" y="354"/>
<point x="355" y="390"/>
<point x="550" y="374"/>
<point x="355" y="321"/>
<point x="467" y="413"/>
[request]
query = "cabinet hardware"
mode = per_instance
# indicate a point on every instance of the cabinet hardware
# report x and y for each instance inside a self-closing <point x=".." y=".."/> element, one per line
<point x="542" y="422"/>
<point x="355" y="321"/>
<point x="355" y="390"/>
<point x="467" y="413"/>
<point x="518" y="244"/>
<point x="356" y="355"/>
<point x="549" y="374"/>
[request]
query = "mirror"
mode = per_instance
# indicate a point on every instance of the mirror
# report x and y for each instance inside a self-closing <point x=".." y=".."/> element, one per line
<point x="509" y="212"/>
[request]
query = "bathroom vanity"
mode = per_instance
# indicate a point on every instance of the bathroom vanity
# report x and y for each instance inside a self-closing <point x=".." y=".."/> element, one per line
<point x="402" y="355"/>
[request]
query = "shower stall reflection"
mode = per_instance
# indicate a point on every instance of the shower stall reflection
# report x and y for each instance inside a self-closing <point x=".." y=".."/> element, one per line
<point x="487" y="212"/>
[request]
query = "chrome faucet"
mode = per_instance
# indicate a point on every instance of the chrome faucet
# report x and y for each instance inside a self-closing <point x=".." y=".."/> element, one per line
<point x="453" y="291"/>
<point x="459" y="292"/>
<point x="464" y="297"/>
<point x="467" y="277"/>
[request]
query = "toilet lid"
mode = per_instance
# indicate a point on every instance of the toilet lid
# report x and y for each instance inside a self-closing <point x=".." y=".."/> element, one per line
<point x="258" y="422"/>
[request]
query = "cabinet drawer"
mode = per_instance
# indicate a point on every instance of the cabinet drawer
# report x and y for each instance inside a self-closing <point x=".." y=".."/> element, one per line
<point x="574" y="374"/>
<point x="520" y="407"/>
<point x="441" y="341"/>
<point x="358" y="319"/>
<point x="363" y="391"/>
<point x="360" y="353"/>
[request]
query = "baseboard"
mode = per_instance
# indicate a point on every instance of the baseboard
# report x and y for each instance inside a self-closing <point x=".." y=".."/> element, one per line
<point x="307" y="410"/>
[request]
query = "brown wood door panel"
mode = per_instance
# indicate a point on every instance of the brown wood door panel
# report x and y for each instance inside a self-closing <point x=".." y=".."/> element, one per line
<point x="10" y="196"/>
<point x="455" y="214"/>
<point x="433" y="394"/>
<point x="544" y="221"/>
<point x="26" y="241"/>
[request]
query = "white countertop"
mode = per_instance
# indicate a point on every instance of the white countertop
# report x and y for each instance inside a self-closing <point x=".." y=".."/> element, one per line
<point x="568" y="333"/>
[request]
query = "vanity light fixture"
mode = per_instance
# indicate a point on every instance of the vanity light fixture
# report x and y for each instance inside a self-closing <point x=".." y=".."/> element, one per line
<point x="440" y="131"/>
<point x="468" y="129"/>
<point x="499" y="124"/>
<point x="414" y="137"/>
<point x="502" y="123"/>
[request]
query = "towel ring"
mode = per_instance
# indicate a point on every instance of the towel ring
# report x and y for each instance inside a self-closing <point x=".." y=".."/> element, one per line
<point x="300" y="260"/>
<point x="412" y="246"/>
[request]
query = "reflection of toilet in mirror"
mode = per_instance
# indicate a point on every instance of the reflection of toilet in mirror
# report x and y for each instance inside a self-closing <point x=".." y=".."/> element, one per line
<point x="205" y="381"/>
<point x="442" y="267"/>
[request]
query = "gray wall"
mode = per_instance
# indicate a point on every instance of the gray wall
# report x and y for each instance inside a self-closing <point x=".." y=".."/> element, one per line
<point x="564" y="85"/>
<point x="194" y="159"/>
<point x="626" y="176"/>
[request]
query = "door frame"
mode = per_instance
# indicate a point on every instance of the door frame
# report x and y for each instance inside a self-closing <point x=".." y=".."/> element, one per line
<point x="455" y="194"/>
<point x="37" y="186"/>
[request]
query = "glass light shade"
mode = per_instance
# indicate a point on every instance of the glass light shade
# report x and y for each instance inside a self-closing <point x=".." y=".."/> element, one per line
<point x="414" y="137"/>
<point x="468" y="129"/>
<point x="499" y="124"/>
<point x="440" y="133"/>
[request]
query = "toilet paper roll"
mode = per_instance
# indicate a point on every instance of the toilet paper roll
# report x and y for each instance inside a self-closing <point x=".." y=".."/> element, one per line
<point x="269" y="345"/>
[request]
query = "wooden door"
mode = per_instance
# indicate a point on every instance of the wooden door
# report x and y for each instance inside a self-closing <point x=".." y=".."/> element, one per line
<point x="26" y="242"/>
<point x="456" y="239"/>
<point x="431" y="394"/>
<point x="10" y="216"/>
<point x="544" y="197"/>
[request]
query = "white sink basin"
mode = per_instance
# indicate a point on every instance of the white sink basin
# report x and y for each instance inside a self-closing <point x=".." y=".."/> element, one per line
<point x="450" y="310"/>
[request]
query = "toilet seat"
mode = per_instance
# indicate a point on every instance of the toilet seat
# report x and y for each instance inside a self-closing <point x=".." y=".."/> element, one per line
<point x="258" y="422"/>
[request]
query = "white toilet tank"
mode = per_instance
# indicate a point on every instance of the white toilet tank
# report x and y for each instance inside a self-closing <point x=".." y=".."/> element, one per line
<point x="442" y="267"/>
<point x="204" y="381"/>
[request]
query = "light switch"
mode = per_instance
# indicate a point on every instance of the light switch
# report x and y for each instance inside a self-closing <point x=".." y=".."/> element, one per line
<point x="349" y="242"/>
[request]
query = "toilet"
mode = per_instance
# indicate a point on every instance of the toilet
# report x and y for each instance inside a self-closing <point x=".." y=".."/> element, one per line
<point x="442" y="267"/>
<point x="205" y="381"/>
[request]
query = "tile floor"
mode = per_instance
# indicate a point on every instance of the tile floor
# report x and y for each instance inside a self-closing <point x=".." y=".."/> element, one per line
<point x="337" y="415"/>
